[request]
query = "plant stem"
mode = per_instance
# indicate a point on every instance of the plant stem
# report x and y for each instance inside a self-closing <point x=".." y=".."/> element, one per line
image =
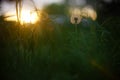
<point x="76" y="28"/>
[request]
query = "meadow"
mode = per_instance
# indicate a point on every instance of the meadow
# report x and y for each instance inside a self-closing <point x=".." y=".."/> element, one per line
<point x="49" y="51"/>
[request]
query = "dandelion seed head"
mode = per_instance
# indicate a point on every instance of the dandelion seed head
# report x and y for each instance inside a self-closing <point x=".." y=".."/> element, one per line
<point x="76" y="11"/>
<point x="75" y="19"/>
<point x="89" y="12"/>
<point x="75" y="15"/>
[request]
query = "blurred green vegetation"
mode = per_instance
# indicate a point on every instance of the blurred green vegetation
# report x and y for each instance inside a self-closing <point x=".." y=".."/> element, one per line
<point x="56" y="9"/>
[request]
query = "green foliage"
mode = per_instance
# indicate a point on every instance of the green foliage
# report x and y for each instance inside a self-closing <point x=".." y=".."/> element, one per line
<point x="55" y="9"/>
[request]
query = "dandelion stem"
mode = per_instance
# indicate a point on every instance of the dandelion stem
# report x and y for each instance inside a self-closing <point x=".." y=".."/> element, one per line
<point x="76" y="28"/>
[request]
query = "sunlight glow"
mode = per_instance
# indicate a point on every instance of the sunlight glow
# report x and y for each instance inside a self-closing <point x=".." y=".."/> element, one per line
<point x="26" y="17"/>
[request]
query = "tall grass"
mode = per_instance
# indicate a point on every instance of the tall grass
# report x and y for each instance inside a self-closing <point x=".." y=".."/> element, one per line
<point x="48" y="51"/>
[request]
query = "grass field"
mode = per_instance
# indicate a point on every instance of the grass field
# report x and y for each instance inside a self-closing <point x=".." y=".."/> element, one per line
<point x="48" y="51"/>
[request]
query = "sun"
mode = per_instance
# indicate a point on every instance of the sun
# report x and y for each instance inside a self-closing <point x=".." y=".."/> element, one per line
<point x="26" y="17"/>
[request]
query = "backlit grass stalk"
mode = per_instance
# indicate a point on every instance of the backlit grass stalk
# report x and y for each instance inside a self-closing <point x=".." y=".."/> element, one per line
<point x="18" y="15"/>
<point x="36" y="9"/>
<point x="18" y="9"/>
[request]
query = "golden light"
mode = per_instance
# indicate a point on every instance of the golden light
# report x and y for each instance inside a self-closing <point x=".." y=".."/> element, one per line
<point x="26" y="17"/>
<point x="29" y="17"/>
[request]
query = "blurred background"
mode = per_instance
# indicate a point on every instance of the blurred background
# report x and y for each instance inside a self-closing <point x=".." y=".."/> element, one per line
<point x="42" y="43"/>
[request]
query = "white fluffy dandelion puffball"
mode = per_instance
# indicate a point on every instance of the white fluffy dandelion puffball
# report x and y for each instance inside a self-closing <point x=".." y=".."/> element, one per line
<point x="75" y="19"/>
<point x="76" y="11"/>
<point x="76" y="16"/>
<point x="88" y="12"/>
